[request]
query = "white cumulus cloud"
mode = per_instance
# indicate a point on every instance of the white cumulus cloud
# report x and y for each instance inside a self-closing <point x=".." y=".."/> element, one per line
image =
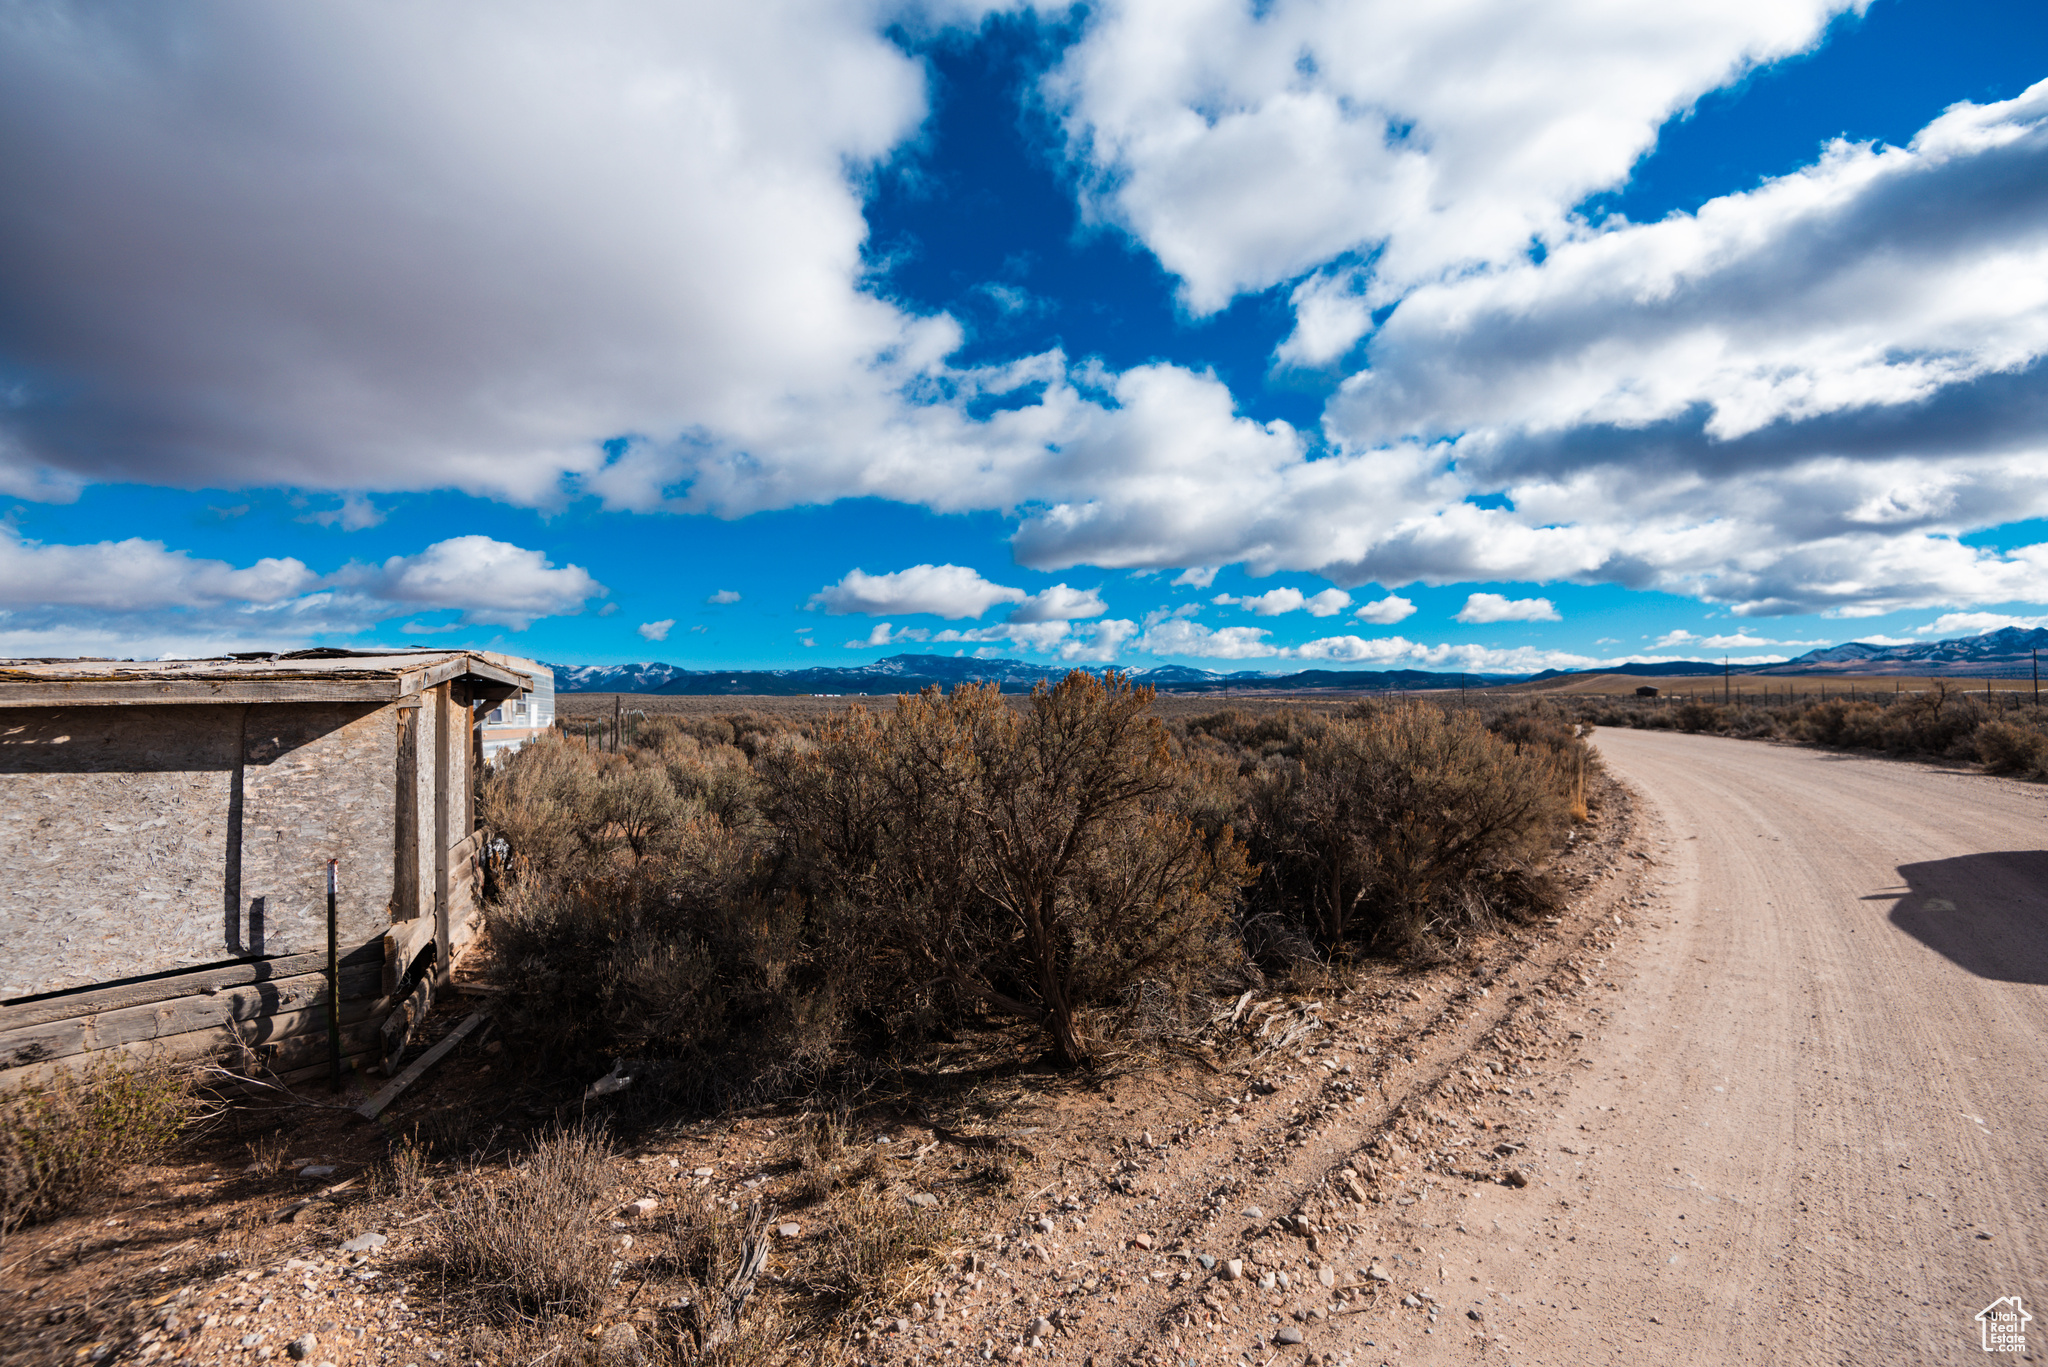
<point x="884" y="635"/>
<point x="723" y="597"/>
<point x="1840" y="288"/>
<point x="1246" y="145"/>
<point x="1954" y="624"/>
<point x="1060" y="604"/>
<point x="378" y="246"/>
<point x="137" y="575"/>
<point x="1741" y="640"/>
<point x="656" y="631"/>
<point x="1387" y="611"/>
<point x="1495" y="607"/>
<point x="1162" y="635"/>
<point x="952" y="591"/>
<point x="355" y="513"/>
<point x="141" y="598"/>
<point x="490" y="582"/>
<point x="364" y="248"/>
<point x="1272" y="603"/>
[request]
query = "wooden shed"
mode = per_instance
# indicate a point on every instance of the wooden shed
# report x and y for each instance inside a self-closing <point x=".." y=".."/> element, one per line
<point x="166" y="832"/>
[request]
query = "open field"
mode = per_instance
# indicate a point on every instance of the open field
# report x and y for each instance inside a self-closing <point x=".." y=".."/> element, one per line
<point x="579" y="708"/>
<point x="1761" y="688"/>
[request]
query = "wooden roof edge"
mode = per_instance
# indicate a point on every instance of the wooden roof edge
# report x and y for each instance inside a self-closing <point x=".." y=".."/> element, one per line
<point x="326" y="679"/>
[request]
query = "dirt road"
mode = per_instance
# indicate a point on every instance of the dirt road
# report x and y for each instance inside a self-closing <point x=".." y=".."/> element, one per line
<point x="1812" y="1126"/>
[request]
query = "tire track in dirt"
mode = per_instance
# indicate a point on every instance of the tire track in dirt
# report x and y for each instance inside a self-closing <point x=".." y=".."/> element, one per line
<point x="1380" y="1060"/>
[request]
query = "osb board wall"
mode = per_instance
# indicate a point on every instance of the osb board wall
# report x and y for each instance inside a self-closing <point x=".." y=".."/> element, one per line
<point x="320" y="781"/>
<point x="113" y="841"/>
<point x="137" y="840"/>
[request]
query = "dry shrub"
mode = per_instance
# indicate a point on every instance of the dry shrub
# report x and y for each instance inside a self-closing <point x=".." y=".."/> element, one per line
<point x="1410" y="825"/>
<point x="818" y="1149"/>
<point x="2006" y="748"/>
<point x="1037" y="863"/>
<point x="1696" y="716"/>
<point x="64" y="1139"/>
<point x="721" y="1257"/>
<point x="722" y="1002"/>
<point x="533" y="1241"/>
<point x="446" y="1132"/>
<point x="638" y="922"/>
<point x="403" y="1173"/>
<point x="267" y="1154"/>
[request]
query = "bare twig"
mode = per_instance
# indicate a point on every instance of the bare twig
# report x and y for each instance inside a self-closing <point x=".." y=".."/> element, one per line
<point x="245" y="1080"/>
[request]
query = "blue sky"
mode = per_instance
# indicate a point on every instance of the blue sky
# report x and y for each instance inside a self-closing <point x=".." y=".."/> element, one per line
<point x="1273" y="336"/>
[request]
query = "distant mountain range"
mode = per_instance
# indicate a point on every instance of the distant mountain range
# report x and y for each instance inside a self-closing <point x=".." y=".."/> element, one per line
<point x="2006" y="653"/>
<point x="909" y="673"/>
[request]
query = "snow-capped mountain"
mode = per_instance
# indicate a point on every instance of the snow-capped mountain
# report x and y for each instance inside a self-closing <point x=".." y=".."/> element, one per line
<point x="2007" y="652"/>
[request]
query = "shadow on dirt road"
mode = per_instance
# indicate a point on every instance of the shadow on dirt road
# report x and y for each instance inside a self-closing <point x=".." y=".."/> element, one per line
<point x="1986" y="913"/>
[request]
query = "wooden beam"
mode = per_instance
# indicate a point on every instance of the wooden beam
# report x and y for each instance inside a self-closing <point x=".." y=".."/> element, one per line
<point x="396" y="1032"/>
<point x="444" y="779"/>
<point x="140" y="692"/>
<point x="254" y="1008"/>
<point x="472" y="667"/>
<point x="402" y="944"/>
<point x="300" y="1051"/>
<point x="145" y="991"/>
<point x="370" y="1109"/>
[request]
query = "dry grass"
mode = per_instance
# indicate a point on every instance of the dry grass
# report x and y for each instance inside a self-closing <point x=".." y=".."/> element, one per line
<point x="875" y="1250"/>
<point x="268" y="1152"/>
<point x="403" y="1173"/>
<point x="532" y="1243"/>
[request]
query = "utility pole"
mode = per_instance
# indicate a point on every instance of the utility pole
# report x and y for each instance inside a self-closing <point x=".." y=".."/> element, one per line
<point x="1724" y="679"/>
<point x="2037" y="678"/>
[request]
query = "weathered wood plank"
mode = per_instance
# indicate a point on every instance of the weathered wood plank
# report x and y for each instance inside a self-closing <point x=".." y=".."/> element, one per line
<point x="475" y="668"/>
<point x="307" y="1030"/>
<point x="360" y="985"/>
<point x="303" y="1051"/>
<point x="402" y="945"/>
<point x="360" y="1068"/>
<point x="445" y="781"/>
<point x="130" y="692"/>
<point x="369" y="1109"/>
<point x="16" y="1015"/>
<point x="399" y="1023"/>
<point x="465" y="935"/>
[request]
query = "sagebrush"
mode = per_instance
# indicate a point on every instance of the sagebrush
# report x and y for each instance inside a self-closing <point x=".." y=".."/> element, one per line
<point x="67" y="1137"/>
<point x="737" y="906"/>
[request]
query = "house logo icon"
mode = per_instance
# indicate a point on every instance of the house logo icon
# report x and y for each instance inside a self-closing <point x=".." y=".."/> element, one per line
<point x="2004" y="1325"/>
